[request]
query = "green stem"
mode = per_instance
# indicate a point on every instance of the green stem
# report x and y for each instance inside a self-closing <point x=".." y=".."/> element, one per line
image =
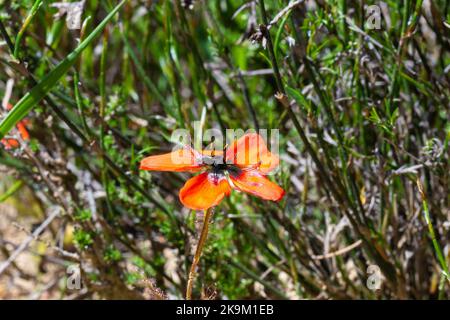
<point x="436" y="246"/>
<point x="102" y="89"/>
<point x="198" y="252"/>
<point x="16" y="186"/>
<point x="79" y="103"/>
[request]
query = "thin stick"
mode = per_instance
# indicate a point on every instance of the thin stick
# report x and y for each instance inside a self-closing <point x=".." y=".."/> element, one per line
<point x="339" y="252"/>
<point x="198" y="252"/>
<point x="283" y="12"/>
<point x="30" y="238"/>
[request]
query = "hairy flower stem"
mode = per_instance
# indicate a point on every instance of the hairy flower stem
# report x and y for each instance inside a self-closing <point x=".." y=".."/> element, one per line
<point x="198" y="252"/>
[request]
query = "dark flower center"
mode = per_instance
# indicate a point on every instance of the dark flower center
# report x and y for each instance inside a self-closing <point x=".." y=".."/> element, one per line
<point x="218" y="168"/>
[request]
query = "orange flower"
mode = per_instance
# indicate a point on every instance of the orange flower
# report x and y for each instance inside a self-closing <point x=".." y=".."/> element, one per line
<point x="21" y="126"/>
<point x="243" y="167"/>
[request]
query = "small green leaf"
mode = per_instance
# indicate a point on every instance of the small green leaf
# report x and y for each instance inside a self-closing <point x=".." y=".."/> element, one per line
<point x="299" y="98"/>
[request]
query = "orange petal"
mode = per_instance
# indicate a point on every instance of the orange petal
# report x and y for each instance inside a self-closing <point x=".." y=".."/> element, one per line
<point x="204" y="191"/>
<point x="10" y="143"/>
<point x="258" y="185"/>
<point x="185" y="159"/>
<point x="21" y="126"/>
<point x="251" y="151"/>
<point x="23" y="131"/>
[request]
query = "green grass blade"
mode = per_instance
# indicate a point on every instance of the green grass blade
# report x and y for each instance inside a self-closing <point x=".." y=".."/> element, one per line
<point x="16" y="186"/>
<point x="33" y="97"/>
<point x="33" y="11"/>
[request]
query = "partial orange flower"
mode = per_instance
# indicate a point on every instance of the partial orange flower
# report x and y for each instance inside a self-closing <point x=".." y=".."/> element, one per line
<point x="21" y="127"/>
<point x="243" y="166"/>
